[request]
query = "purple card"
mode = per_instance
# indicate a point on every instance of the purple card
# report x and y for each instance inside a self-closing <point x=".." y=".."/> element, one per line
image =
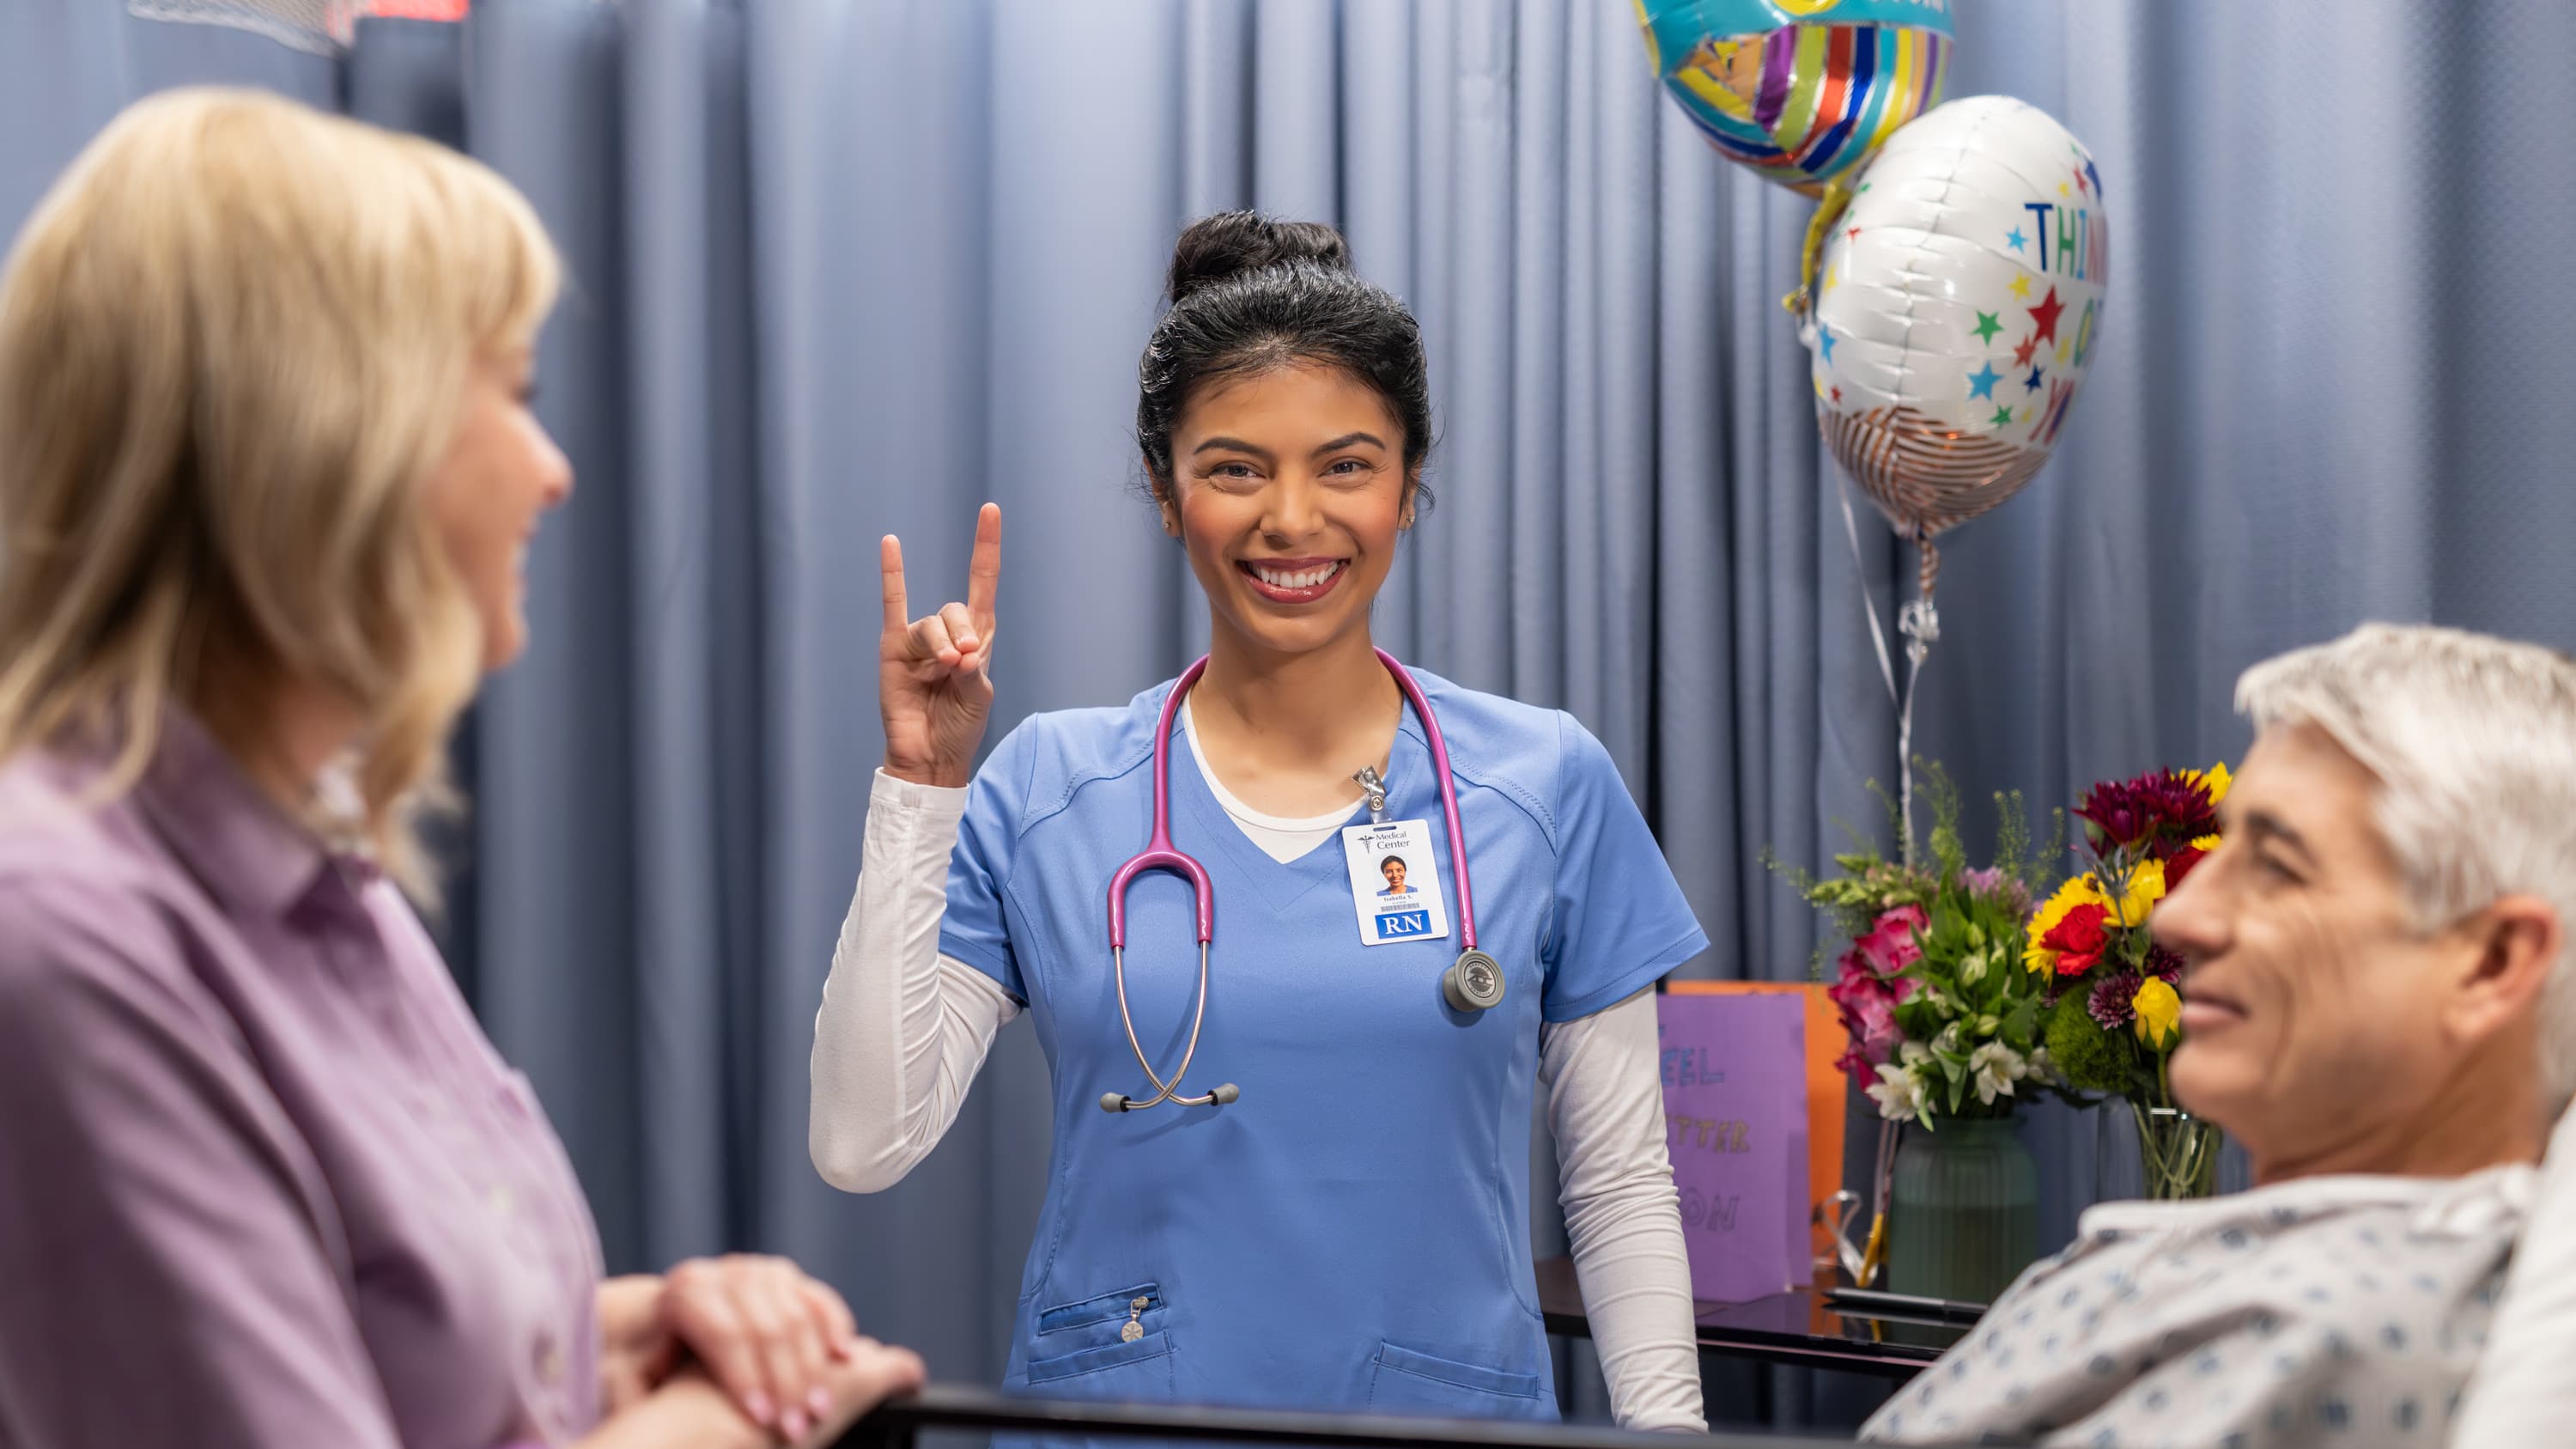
<point x="1735" y="1117"/>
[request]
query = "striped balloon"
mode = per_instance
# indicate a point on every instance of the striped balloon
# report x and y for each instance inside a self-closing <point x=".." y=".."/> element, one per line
<point x="1802" y="91"/>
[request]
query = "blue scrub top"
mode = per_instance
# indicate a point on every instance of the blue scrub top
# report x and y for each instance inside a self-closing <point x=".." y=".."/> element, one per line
<point x="1354" y="1232"/>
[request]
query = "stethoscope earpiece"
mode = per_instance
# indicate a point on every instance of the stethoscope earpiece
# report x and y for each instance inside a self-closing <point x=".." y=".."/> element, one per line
<point x="1474" y="982"/>
<point x="1226" y="1095"/>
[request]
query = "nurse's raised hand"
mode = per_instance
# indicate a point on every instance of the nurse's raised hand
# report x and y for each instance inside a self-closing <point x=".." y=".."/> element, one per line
<point x="934" y="673"/>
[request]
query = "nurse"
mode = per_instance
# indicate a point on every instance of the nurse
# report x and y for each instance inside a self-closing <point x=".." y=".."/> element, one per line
<point x="1329" y="1207"/>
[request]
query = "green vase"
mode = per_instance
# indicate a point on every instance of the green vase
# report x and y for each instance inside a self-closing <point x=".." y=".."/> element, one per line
<point x="1963" y="1210"/>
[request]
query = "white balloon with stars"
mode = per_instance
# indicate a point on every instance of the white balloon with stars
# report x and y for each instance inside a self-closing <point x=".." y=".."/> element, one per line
<point x="1958" y="303"/>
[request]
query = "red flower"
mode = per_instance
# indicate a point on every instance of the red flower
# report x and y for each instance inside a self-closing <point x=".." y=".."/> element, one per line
<point x="2079" y="939"/>
<point x="2179" y="864"/>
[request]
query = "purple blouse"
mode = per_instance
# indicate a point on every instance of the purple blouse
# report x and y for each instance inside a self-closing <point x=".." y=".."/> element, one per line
<point x="263" y="1181"/>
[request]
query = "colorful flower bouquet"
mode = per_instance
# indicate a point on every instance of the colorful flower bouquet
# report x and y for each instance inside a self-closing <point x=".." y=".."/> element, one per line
<point x="1940" y="1024"/>
<point x="1943" y="1027"/>
<point x="2112" y="994"/>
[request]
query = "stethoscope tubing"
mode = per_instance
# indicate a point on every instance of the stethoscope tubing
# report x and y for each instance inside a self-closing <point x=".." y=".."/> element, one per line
<point x="1405" y="681"/>
<point x="1163" y="1091"/>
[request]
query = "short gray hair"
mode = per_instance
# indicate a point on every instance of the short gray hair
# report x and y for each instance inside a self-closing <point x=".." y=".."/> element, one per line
<point x="2473" y="741"/>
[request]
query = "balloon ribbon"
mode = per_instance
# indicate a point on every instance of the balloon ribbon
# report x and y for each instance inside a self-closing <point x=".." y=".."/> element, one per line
<point x="1920" y="622"/>
<point x="1830" y="205"/>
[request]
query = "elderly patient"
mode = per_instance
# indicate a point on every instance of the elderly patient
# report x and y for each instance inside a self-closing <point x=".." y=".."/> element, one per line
<point x="2376" y="1005"/>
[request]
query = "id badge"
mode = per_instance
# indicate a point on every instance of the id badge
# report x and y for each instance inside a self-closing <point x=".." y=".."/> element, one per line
<point x="1395" y="882"/>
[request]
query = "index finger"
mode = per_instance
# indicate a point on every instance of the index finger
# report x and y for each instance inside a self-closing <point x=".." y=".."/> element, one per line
<point x="890" y="559"/>
<point x="833" y="1314"/>
<point x="984" y="570"/>
<point x="715" y="1330"/>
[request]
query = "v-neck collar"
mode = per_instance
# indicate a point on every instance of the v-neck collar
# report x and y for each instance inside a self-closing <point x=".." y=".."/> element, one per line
<point x="1283" y="884"/>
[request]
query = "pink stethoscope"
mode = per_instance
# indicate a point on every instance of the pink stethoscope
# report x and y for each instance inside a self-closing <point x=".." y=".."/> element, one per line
<point x="1473" y="983"/>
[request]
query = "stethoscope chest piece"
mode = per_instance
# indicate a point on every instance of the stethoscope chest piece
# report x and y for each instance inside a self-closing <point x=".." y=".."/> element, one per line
<point x="1474" y="982"/>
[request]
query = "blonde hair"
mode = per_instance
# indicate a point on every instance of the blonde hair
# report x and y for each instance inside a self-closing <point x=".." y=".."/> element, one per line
<point x="235" y="339"/>
<point x="2473" y="743"/>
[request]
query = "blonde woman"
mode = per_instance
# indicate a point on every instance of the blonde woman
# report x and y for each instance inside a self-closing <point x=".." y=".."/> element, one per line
<point x="267" y="476"/>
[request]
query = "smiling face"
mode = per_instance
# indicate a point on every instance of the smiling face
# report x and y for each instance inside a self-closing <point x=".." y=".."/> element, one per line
<point x="2307" y="976"/>
<point x="1393" y="870"/>
<point x="1289" y="493"/>
<point x="499" y="477"/>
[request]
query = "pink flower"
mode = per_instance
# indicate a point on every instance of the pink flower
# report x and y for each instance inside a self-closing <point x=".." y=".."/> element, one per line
<point x="1879" y="1034"/>
<point x="1868" y="991"/>
<point x="1868" y="1012"/>
<point x="1992" y="884"/>
<point x="1856" y="1065"/>
<point x="1890" y="946"/>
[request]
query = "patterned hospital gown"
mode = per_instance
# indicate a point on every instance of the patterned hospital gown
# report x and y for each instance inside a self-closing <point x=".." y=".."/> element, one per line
<point x="2330" y="1310"/>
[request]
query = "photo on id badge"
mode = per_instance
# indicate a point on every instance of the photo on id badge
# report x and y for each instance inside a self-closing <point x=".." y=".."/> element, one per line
<point x="1395" y="882"/>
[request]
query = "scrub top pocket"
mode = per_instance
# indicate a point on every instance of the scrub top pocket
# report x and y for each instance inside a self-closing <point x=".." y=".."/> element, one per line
<point x="1404" y="1380"/>
<point x="1144" y="1303"/>
<point x="1140" y="1369"/>
<point x="1113" y="1346"/>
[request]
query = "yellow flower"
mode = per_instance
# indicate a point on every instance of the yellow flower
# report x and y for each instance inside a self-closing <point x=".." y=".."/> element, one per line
<point x="2215" y="779"/>
<point x="2159" y="1009"/>
<point x="2079" y="890"/>
<point x="2206" y="843"/>
<point x="2139" y="894"/>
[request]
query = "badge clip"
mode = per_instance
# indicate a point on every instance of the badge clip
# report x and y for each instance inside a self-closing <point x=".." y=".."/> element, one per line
<point x="1375" y="784"/>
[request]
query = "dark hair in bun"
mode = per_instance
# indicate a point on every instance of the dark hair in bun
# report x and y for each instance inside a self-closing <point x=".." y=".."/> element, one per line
<point x="1250" y="294"/>
<point x="1233" y="242"/>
